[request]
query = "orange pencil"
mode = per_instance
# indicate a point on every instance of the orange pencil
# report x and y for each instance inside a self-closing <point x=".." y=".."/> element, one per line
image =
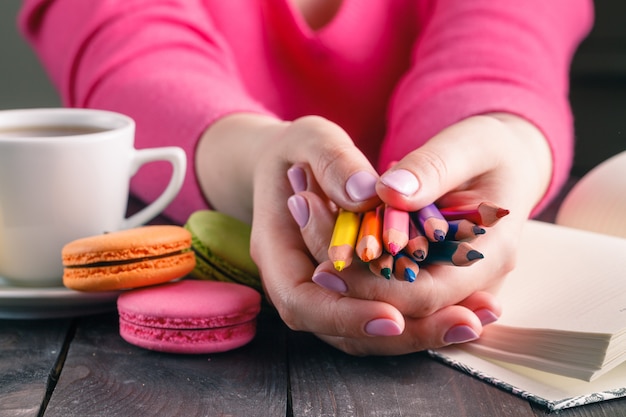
<point x="433" y="223"/>
<point x="453" y="252"/>
<point x="483" y="214"/>
<point x="369" y="243"/>
<point x="382" y="266"/>
<point x="395" y="229"/>
<point x="343" y="239"/>
<point x="417" y="247"/>
<point x="463" y="229"/>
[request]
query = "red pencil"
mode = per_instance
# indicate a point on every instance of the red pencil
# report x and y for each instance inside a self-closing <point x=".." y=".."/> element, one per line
<point x="395" y="229"/>
<point x="483" y="214"/>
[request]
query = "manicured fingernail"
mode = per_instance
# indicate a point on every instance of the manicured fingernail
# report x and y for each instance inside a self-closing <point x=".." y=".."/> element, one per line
<point x="297" y="179"/>
<point x="401" y="180"/>
<point x="460" y="334"/>
<point x="330" y="282"/>
<point x="486" y="316"/>
<point x="299" y="209"/>
<point x="361" y="186"/>
<point x="383" y="327"/>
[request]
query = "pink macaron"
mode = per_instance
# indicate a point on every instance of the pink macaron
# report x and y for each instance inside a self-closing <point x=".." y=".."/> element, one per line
<point x="189" y="316"/>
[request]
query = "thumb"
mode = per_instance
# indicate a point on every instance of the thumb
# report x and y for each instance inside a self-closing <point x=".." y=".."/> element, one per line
<point x="446" y="162"/>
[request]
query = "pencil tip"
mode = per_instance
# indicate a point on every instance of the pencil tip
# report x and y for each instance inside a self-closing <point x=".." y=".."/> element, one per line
<point x="474" y="254"/>
<point x="367" y="255"/>
<point x="419" y="255"/>
<point x="339" y="265"/>
<point x="409" y="275"/>
<point x="393" y="249"/>
<point x="478" y="230"/>
<point x="386" y="272"/>
<point x="439" y="235"/>
<point x="502" y="212"/>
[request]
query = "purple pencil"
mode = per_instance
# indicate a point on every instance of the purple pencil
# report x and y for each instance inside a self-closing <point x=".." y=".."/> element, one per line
<point x="433" y="223"/>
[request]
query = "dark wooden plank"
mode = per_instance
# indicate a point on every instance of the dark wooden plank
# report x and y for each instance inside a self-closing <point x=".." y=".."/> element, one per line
<point x="104" y="375"/>
<point x="29" y="361"/>
<point x="326" y="382"/>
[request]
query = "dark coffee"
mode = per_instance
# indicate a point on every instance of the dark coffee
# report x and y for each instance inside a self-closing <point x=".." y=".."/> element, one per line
<point x="47" y="131"/>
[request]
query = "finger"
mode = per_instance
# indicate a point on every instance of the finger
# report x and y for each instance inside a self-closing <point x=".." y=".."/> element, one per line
<point x="301" y="179"/>
<point x="450" y="325"/>
<point x="485" y="305"/>
<point x="318" y="227"/>
<point x="334" y="160"/>
<point x="457" y="154"/>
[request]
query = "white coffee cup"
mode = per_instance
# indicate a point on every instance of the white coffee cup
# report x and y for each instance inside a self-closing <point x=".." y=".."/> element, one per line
<point x="65" y="174"/>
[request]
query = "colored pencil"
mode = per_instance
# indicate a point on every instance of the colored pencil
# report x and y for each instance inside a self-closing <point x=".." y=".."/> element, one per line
<point x="417" y="247"/>
<point x="369" y="243"/>
<point x="405" y="268"/>
<point x="433" y="223"/>
<point x="395" y="229"/>
<point x="482" y="214"/>
<point x="453" y="252"/>
<point x="382" y="266"/>
<point x="343" y="239"/>
<point x="463" y="229"/>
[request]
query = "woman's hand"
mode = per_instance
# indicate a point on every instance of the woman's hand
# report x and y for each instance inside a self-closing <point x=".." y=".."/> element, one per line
<point x="500" y="158"/>
<point x="358" y="312"/>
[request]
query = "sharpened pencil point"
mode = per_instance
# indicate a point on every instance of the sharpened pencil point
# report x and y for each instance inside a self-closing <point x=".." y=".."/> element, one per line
<point x="474" y="254"/>
<point x="339" y="265"/>
<point x="368" y="255"/>
<point x="386" y="272"/>
<point x="477" y="230"/>
<point x="439" y="235"/>
<point x="501" y="212"/>
<point x="409" y="275"/>
<point x="394" y="249"/>
<point x="419" y="255"/>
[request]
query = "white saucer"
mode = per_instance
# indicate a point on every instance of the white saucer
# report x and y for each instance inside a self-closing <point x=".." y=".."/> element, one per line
<point x="51" y="302"/>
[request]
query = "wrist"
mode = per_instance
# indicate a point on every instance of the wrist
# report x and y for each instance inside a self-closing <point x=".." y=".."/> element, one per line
<point x="533" y="150"/>
<point x="226" y="157"/>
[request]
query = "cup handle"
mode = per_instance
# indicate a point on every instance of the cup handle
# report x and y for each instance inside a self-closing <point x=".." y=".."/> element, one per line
<point x="177" y="158"/>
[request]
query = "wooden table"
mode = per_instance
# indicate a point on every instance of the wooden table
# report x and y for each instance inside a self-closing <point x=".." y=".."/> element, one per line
<point x="81" y="367"/>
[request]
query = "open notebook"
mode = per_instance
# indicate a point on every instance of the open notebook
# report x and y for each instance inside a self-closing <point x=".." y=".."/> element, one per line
<point x="561" y="340"/>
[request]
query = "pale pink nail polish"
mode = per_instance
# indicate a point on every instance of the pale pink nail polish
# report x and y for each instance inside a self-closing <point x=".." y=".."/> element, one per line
<point x="361" y="186"/>
<point x="299" y="209"/>
<point x="383" y="327"/>
<point x="330" y="282"/>
<point x="485" y="316"/>
<point x="297" y="179"/>
<point x="401" y="180"/>
<point x="460" y="334"/>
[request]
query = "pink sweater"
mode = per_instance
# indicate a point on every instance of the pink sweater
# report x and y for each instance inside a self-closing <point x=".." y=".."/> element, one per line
<point x="392" y="73"/>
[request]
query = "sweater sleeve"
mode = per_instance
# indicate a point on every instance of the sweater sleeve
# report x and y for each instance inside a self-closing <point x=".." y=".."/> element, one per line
<point x="481" y="56"/>
<point x="162" y="62"/>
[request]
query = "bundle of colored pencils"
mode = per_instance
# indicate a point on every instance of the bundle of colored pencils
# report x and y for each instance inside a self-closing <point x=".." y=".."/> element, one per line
<point x="396" y="242"/>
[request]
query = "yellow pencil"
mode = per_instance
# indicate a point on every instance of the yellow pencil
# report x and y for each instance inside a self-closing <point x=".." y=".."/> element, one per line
<point x="343" y="240"/>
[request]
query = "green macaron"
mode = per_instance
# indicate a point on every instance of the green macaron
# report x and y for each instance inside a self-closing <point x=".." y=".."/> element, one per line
<point x="222" y="247"/>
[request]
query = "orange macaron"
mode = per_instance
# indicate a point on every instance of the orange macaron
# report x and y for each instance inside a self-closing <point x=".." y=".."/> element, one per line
<point x="126" y="259"/>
